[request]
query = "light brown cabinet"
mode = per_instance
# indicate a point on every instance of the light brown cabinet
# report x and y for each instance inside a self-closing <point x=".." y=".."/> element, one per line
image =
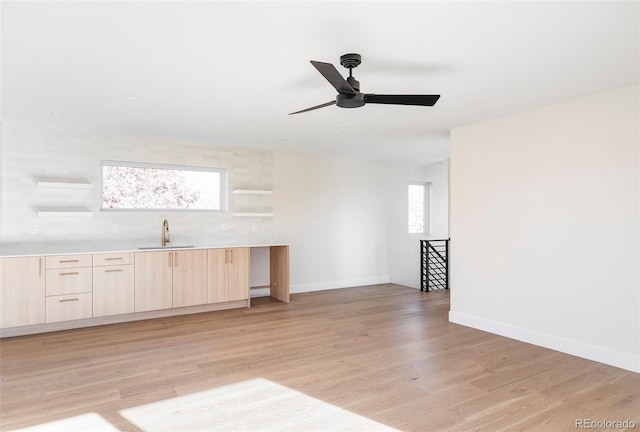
<point x="170" y="279"/>
<point x="228" y="278"/>
<point x="68" y="261"/>
<point x="69" y="281"/>
<point x="153" y="280"/>
<point x="189" y="278"/>
<point x="113" y="284"/>
<point x="61" y="289"/>
<point x="68" y="307"/>
<point x="69" y="286"/>
<point x="22" y="291"/>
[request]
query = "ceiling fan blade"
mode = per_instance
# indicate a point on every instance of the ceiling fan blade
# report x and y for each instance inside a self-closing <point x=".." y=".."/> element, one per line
<point x="315" y="107"/>
<point x="333" y="76"/>
<point x="424" y="100"/>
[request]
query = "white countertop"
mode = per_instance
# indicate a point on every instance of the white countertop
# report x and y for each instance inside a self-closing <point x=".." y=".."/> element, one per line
<point x="72" y="248"/>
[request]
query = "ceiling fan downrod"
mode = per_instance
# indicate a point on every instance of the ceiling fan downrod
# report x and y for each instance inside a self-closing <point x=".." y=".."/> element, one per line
<point x="351" y="61"/>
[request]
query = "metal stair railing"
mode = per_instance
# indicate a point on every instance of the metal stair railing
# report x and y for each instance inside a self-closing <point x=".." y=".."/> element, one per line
<point x="434" y="264"/>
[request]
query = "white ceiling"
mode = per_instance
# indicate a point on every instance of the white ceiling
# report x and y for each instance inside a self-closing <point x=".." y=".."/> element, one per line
<point x="229" y="72"/>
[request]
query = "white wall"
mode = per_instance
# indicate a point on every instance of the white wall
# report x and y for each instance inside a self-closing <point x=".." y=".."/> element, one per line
<point x="334" y="212"/>
<point x="1" y="180"/>
<point x="346" y="220"/>
<point x="545" y="216"/>
<point x="32" y="153"/>
<point x="405" y="247"/>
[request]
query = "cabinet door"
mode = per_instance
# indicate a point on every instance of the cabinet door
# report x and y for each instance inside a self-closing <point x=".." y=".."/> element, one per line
<point x="217" y="275"/>
<point x="189" y="278"/>
<point x="113" y="291"/>
<point x="238" y="274"/>
<point x="22" y="295"/>
<point x="153" y="280"/>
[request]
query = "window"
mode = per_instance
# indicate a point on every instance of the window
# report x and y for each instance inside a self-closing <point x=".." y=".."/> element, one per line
<point x="140" y="186"/>
<point x="418" y="199"/>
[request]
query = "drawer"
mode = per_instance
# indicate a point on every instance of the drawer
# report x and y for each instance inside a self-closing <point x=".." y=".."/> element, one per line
<point x="68" y="261"/>
<point x="105" y="259"/>
<point x="68" y="307"/>
<point x="69" y="281"/>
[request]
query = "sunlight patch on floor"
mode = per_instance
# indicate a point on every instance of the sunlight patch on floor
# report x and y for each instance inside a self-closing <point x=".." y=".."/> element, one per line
<point x="82" y="423"/>
<point x="252" y="405"/>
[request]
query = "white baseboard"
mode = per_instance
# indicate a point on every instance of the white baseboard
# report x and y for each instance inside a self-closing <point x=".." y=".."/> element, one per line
<point x="345" y="283"/>
<point x="321" y="286"/>
<point x="597" y="353"/>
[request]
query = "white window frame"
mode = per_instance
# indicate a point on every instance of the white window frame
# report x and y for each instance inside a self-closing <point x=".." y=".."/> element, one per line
<point x="426" y="210"/>
<point x="222" y="191"/>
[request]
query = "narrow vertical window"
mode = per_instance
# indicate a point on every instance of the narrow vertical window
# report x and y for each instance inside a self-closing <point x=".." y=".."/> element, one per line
<point x="418" y="199"/>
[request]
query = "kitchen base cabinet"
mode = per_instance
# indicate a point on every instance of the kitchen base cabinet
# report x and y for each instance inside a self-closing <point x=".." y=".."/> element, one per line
<point x="69" y="280"/>
<point x="113" y="290"/>
<point x="228" y="277"/>
<point x="22" y="291"/>
<point x="69" y="307"/>
<point x="238" y="274"/>
<point x="189" y="278"/>
<point x="40" y="294"/>
<point x="153" y="281"/>
<point x="217" y="277"/>
<point x="69" y="285"/>
<point x="113" y="284"/>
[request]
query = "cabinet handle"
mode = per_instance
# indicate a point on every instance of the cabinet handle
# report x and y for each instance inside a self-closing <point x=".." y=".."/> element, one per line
<point x="231" y="252"/>
<point x="68" y="300"/>
<point x="68" y="261"/>
<point x="170" y="259"/>
<point x="175" y="259"/>
<point x="115" y="270"/>
<point x="69" y="273"/>
<point x="226" y="256"/>
<point x="40" y="266"/>
<point x="113" y="259"/>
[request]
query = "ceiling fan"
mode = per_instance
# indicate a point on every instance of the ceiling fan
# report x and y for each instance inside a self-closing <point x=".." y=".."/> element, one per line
<point x="349" y="95"/>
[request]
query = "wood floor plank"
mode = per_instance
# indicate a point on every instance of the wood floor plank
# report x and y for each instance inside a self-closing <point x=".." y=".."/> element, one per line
<point x="380" y="357"/>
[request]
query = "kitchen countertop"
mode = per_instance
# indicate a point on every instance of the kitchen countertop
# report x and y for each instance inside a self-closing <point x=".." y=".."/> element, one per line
<point x="71" y="248"/>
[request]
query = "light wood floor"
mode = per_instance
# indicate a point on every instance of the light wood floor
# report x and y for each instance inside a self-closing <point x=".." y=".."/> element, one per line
<point x="372" y="358"/>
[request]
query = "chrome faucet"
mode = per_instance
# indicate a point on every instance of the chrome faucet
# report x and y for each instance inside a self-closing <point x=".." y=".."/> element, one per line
<point x="165" y="232"/>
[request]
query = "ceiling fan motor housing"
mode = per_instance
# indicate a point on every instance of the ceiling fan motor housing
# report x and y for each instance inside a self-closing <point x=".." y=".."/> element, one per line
<point x="345" y="100"/>
<point x="350" y="101"/>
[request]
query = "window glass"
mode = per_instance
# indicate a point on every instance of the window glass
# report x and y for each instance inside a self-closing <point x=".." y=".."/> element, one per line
<point x="130" y="186"/>
<point x="417" y="208"/>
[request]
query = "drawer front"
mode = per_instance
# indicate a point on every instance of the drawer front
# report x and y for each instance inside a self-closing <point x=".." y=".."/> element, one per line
<point x="68" y="261"/>
<point x="68" y="307"/>
<point x="106" y="259"/>
<point x="69" y="281"/>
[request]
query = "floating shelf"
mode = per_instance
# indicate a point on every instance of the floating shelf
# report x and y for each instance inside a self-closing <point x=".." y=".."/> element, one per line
<point x="252" y="214"/>
<point x="252" y="192"/>
<point x="67" y="185"/>
<point x="65" y="213"/>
